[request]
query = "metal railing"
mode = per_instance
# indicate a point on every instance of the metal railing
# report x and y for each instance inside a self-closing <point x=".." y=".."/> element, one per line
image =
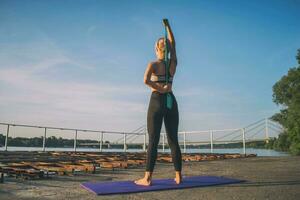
<point x="239" y="135"/>
<point x="101" y="132"/>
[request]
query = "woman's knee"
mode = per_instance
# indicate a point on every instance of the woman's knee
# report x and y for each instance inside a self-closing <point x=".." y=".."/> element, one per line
<point x="174" y="146"/>
<point x="173" y="140"/>
<point x="153" y="142"/>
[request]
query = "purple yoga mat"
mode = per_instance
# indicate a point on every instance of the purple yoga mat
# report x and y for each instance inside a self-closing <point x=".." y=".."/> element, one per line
<point x="121" y="187"/>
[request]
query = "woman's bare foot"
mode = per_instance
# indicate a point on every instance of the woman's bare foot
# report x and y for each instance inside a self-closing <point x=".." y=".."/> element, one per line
<point x="178" y="177"/>
<point x="178" y="180"/>
<point x="143" y="181"/>
<point x="146" y="181"/>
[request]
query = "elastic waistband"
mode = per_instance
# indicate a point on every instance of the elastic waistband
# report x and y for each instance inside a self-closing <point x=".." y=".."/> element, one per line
<point x="158" y="93"/>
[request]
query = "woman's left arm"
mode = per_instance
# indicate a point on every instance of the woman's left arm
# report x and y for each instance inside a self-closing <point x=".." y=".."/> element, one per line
<point x="173" y="57"/>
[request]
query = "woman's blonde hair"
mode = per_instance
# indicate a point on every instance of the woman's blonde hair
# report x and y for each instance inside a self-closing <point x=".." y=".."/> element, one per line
<point x="157" y="42"/>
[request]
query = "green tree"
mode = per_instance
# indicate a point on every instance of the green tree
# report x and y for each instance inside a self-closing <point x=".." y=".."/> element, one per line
<point x="286" y="93"/>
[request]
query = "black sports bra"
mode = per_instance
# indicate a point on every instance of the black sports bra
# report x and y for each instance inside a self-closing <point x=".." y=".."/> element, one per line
<point x="161" y="78"/>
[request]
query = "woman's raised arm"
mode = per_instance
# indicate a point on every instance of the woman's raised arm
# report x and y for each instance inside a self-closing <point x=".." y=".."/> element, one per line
<point x="171" y="38"/>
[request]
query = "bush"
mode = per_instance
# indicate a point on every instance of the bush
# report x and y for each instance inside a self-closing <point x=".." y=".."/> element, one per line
<point x="282" y="143"/>
<point x="295" y="148"/>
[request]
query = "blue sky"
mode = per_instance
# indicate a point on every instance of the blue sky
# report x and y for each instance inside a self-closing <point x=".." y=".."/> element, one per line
<point x="80" y="64"/>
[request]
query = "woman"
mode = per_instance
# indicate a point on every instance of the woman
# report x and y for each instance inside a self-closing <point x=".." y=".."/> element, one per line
<point x="158" y="111"/>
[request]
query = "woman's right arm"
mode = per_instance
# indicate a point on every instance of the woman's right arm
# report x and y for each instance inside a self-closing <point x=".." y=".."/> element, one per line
<point x="151" y="84"/>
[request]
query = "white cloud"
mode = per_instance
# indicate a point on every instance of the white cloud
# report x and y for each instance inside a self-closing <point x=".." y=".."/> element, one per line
<point x="73" y="97"/>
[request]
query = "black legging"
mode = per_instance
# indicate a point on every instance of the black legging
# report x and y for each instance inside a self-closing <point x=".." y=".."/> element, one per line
<point x="157" y="111"/>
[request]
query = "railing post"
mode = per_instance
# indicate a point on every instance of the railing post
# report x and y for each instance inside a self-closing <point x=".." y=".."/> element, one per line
<point x="184" y="142"/>
<point x="163" y="145"/>
<point x="267" y="130"/>
<point x="211" y="142"/>
<point x="6" y="138"/>
<point x="244" y="141"/>
<point x="44" y="140"/>
<point x="124" y="142"/>
<point x="101" y="141"/>
<point x="75" y="141"/>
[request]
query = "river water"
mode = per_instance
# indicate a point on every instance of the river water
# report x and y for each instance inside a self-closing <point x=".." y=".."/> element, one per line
<point x="259" y="152"/>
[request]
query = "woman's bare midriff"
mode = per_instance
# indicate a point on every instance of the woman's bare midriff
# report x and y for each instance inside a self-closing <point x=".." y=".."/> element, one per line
<point x="162" y="85"/>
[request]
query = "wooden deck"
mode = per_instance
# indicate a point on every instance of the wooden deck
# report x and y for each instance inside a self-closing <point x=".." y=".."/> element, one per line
<point x="30" y="165"/>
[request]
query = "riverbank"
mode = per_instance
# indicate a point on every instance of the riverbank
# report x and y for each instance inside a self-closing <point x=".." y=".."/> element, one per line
<point x="267" y="178"/>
